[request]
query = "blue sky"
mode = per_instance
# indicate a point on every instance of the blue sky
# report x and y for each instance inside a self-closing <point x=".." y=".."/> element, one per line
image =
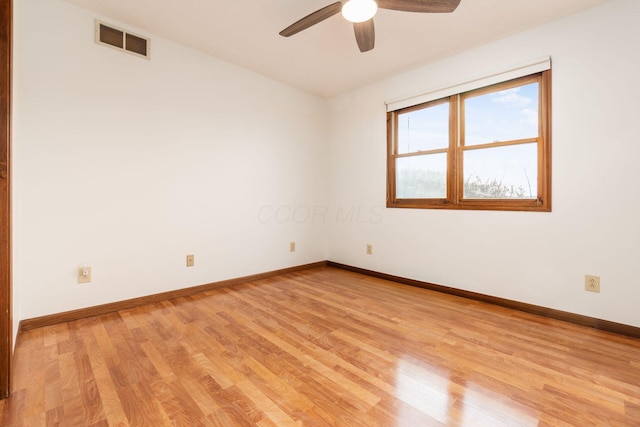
<point x="500" y="116"/>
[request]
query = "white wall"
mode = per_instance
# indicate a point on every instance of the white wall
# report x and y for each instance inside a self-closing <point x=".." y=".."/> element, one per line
<point x="537" y="258"/>
<point x="129" y="165"/>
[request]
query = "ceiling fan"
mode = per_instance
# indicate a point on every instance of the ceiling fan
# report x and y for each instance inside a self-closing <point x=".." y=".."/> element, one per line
<point x="361" y="13"/>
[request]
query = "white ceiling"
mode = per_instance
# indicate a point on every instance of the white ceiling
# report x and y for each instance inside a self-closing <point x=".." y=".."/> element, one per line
<point x="325" y="59"/>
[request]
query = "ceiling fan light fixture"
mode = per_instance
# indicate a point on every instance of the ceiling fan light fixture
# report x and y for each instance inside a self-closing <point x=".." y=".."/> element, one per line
<point x="359" y="10"/>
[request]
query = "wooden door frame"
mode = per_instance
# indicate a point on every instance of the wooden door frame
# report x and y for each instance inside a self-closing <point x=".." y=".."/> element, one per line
<point x="6" y="318"/>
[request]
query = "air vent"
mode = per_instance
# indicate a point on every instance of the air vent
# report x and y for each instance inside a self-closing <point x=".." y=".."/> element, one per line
<point x="111" y="36"/>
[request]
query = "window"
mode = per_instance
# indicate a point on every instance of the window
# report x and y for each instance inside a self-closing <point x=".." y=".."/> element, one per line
<point x="487" y="148"/>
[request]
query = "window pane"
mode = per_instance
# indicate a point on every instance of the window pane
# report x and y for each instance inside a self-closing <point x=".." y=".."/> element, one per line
<point x="422" y="177"/>
<point x="424" y="129"/>
<point x="501" y="173"/>
<point x="505" y="115"/>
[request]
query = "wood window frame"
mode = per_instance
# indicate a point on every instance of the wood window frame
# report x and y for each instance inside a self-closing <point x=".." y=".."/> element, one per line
<point x="456" y="148"/>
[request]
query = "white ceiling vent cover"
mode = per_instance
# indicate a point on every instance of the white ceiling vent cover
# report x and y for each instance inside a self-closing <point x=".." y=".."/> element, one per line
<point x="111" y="36"/>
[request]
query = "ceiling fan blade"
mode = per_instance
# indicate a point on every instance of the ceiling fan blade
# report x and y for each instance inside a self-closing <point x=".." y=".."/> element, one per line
<point x="425" y="6"/>
<point x="312" y="19"/>
<point x="365" y="35"/>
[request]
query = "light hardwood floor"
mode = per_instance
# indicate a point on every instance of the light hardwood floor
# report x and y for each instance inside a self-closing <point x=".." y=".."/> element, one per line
<point x="323" y="347"/>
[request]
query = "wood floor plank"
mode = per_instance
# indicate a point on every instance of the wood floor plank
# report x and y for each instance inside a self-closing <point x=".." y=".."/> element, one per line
<point x="106" y="389"/>
<point x="323" y="347"/>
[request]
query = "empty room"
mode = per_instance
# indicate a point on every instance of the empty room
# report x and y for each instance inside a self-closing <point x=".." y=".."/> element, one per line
<point x="317" y="213"/>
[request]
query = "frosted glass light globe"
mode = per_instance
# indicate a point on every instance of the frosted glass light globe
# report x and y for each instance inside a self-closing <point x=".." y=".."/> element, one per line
<point x="359" y="10"/>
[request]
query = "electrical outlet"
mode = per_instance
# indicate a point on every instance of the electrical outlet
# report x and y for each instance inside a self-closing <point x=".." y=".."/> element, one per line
<point x="84" y="274"/>
<point x="592" y="283"/>
<point x="191" y="261"/>
<point x="369" y="249"/>
<point x="292" y="246"/>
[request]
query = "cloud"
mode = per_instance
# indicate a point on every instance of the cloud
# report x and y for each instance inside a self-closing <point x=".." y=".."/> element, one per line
<point x="511" y="98"/>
